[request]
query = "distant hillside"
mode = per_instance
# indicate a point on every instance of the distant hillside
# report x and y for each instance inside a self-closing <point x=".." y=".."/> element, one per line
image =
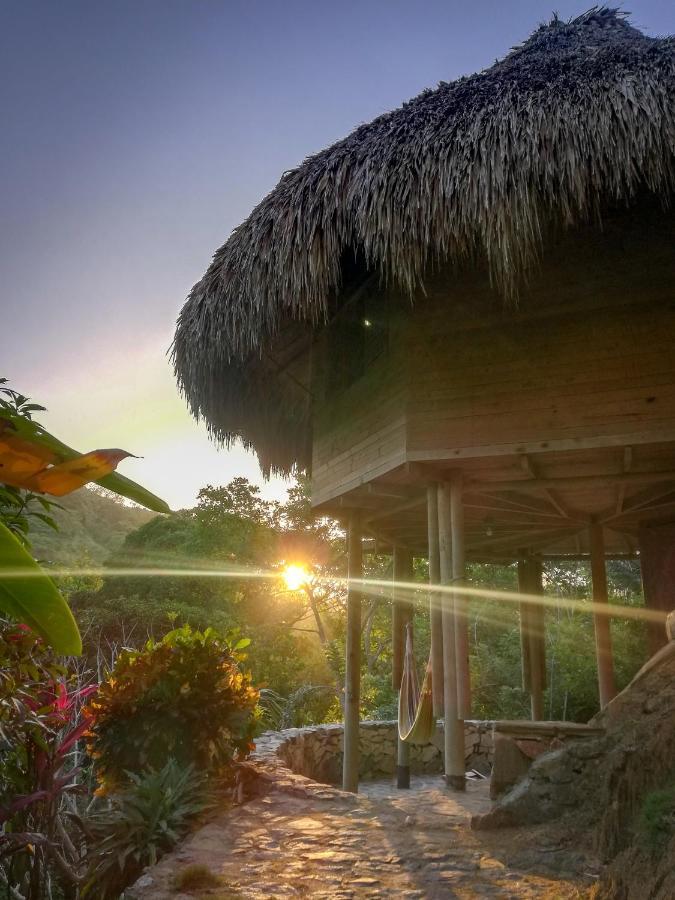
<point x="92" y="525"/>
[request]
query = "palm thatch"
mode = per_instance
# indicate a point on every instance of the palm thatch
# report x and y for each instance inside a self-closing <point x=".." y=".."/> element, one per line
<point x="580" y="115"/>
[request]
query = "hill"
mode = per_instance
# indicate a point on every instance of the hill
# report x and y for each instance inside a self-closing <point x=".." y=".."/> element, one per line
<point x="92" y="526"/>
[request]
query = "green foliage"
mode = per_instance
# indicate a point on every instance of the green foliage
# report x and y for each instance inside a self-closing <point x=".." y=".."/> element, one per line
<point x="142" y="823"/>
<point x="183" y="697"/>
<point x="657" y="818"/>
<point x="89" y="526"/>
<point x="29" y="595"/>
<point x="21" y="510"/>
<point x="238" y="556"/>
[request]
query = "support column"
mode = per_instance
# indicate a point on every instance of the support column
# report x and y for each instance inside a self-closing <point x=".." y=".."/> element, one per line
<point x="461" y="603"/>
<point x="603" y="638"/>
<point x="350" y="765"/>
<point x="657" y="564"/>
<point x="453" y="724"/>
<point x="435" y="609"/>
<point x="402" y="613"/>
<point x="532" y="637"/>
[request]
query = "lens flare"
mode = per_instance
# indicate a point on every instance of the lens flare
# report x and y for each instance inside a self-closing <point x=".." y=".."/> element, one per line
<point x="295" y="577"/>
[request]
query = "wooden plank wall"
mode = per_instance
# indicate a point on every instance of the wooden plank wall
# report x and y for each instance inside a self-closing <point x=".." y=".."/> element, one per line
<point x="587" y="355"/>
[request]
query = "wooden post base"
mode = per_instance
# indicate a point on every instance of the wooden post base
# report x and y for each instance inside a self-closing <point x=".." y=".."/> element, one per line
<point x="403" y="777"/>
<point x="456" y="782"/>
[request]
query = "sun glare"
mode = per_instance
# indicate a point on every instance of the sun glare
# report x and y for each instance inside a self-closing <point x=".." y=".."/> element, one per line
<point x="295" y="577"/>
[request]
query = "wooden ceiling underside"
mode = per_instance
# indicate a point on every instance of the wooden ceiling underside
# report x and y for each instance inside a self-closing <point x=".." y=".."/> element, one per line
<point x="541" y="503"/>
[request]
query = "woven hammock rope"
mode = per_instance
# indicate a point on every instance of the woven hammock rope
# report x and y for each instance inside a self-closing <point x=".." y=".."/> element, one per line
<point x="416" y="723"/>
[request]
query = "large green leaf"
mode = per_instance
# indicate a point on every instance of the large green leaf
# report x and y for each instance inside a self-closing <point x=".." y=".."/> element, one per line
<point x="31" y="597"/>
<point x="125" y="487"/>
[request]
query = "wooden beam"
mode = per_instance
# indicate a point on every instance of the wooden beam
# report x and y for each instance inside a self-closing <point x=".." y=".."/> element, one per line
<point x="603" y="638"/>
<point x="453" y="724"/>
<point x="435" y="609"/>
<point x="350" y="765"/>
<point x="397" y="508"/>
<point x="576" y="481"/>
<point x="521" y="502"/>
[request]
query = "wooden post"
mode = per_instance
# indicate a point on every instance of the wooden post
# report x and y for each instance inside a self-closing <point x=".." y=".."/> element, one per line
<point x="657" y="564"/>
<point x="435" y="609"/>
<point x="603" y="638"/>
<point x="532" y="638"/>
<point x="350" y="764"/>
<point x="460" y="600"/>
<point x="453" y="725"/>
<point x="524" y="608"/>
<point x="402" y="612"/>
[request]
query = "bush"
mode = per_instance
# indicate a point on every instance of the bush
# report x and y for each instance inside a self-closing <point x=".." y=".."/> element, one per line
<point x="143" y="822"/>
<point x="183" y="697"/>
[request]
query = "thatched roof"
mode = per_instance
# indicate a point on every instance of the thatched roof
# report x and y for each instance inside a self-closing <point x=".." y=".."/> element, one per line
<point x="581" y="114"/>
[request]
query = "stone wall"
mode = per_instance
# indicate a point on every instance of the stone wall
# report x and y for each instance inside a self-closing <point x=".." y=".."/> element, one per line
<point x="316" y="751"/>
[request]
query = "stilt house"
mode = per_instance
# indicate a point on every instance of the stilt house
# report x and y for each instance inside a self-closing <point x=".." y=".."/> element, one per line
<point x="461" y="320"/>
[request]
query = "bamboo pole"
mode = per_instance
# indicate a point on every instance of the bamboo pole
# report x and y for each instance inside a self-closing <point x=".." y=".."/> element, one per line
<point x="532" y="638"/>
<point x="524" y="588"/>
<point x="453" y="725"/>
<point x="537" y="646"/>
<point x="435" y="611"/>
<point x="460" y="602"/>
<point x="402" y="611"/>
<point x="350" y="764"/>
<point x="603" y="638"/>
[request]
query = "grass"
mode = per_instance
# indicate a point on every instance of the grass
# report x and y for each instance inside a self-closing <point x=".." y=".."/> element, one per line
<point x="196" y="877"/>
<point x="657" y="817"/>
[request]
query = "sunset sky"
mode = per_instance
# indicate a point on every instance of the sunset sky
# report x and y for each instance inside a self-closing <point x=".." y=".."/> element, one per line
<point x="137" y="134"/>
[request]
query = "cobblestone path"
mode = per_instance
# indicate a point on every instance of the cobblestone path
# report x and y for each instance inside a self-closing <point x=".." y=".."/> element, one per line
<point x="383" y="843"/>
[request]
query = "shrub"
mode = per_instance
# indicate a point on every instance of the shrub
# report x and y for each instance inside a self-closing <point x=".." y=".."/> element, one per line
<point x="183" y="697"/>
<point x="142" y="822"/>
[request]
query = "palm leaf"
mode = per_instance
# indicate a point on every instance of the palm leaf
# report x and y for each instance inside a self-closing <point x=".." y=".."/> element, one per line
<point x="118" y="484"/>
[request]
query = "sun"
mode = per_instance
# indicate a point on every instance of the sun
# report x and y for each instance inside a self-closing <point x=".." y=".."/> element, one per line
<point x="295" y="577"/>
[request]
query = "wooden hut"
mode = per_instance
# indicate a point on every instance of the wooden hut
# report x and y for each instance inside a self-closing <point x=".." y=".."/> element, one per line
<point x="460" y="319"/>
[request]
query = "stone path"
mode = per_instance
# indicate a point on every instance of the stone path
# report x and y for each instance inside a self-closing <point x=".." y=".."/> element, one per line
<point x="383" y="843"/>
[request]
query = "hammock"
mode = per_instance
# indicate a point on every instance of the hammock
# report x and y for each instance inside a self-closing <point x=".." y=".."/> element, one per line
<point x="416" y="723"/>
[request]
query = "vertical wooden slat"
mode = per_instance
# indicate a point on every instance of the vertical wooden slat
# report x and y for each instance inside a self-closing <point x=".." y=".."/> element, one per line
<point x="453" y="725"/>
<point x="350" y="766"/>
<point x="603" y="638"/>
<point x="435" y="611"/>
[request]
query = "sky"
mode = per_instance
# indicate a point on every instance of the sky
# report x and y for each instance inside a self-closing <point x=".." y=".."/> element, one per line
<point x="136" y="135"/>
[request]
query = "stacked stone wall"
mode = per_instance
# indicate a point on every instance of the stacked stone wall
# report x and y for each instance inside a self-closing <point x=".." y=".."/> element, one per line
<point x="315" y="752"/>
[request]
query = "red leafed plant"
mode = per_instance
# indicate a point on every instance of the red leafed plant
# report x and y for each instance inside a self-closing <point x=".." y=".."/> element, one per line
<point x="42" y="718"/>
